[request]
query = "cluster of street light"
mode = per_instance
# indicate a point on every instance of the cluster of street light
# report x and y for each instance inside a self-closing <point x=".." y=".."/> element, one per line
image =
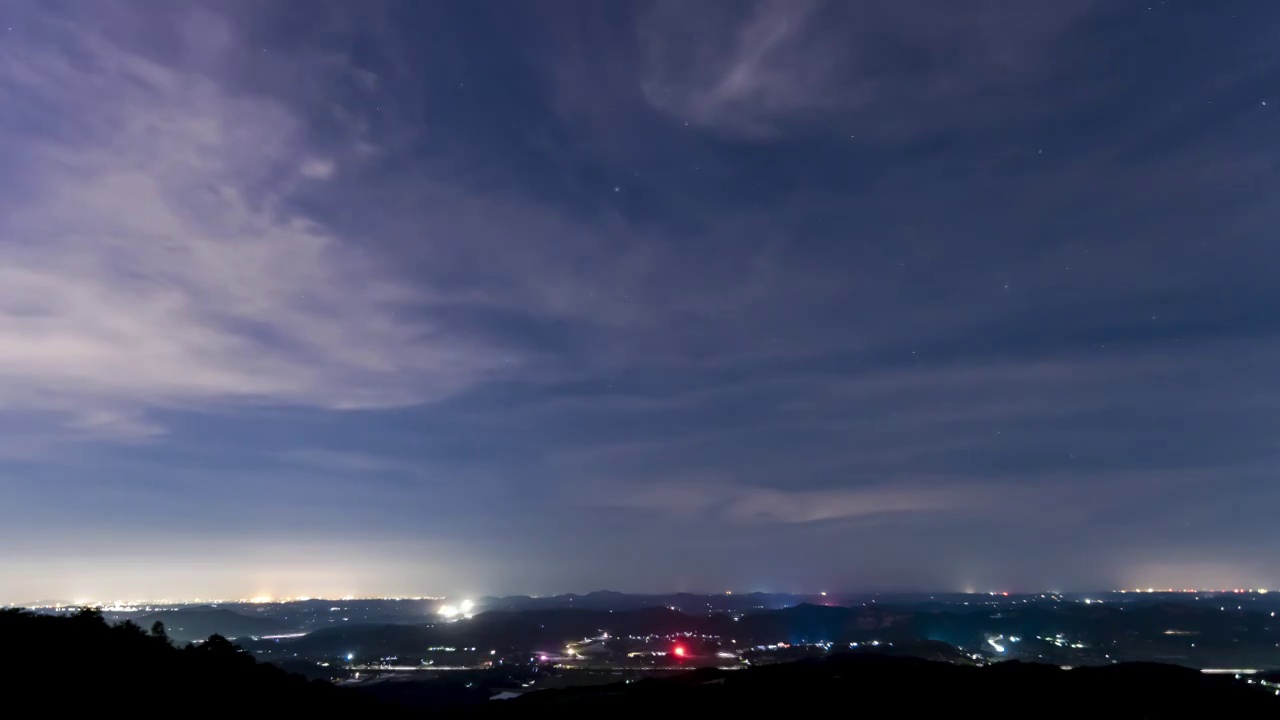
<point x="455" y="612"/>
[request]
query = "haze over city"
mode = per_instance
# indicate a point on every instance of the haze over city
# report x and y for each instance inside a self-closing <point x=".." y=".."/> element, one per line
<point x="333" y="299"/>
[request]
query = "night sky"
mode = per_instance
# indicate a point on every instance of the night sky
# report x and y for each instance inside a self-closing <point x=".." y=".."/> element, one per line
<point x="305" y="298"/>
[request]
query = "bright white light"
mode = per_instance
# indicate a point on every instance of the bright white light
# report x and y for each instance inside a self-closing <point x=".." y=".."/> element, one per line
<point x="350" y="657"/>
<point x="466" y="606"/>
<point x="993" y="643"/>
<point x="448" y="611"/>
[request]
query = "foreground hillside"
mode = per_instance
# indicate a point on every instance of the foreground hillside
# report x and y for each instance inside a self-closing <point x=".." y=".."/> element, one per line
<point x="80" y="663"/>
<point x="893" y="686"/>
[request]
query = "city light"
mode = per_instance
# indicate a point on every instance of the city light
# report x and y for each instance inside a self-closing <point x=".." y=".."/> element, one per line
<point x="453" y="612"/>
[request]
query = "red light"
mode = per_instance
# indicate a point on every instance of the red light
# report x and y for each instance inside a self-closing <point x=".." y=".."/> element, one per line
<point x="679" y="651"/>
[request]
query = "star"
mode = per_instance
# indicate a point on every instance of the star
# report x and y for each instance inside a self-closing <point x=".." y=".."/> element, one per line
<point x="617" y="188"/>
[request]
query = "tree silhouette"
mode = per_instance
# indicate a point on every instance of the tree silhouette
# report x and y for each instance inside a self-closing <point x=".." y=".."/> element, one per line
<point x="89" y="616"/>
<point x="105" y="663"/>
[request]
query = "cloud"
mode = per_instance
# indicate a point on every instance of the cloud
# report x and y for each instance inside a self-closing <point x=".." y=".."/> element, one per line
<point x="153" y="254"/>
<point x="100" y="424"/>
<point x="811" y="506"/>
<point x="882" y="68"/>
<point x="733" y="502"/>
<point x="1057" y="440"/>
<point x="316" y="169"/>
<point x="1050" y="498"/>
<point x="741" y="77"/>
<point x="1059" y="499"/>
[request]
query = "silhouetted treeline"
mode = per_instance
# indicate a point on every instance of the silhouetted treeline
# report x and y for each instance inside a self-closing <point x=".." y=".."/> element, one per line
<point x="57" y="665"/>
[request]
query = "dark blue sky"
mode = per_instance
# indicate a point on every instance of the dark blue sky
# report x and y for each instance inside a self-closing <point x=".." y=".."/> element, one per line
<point x="358" y="298"/>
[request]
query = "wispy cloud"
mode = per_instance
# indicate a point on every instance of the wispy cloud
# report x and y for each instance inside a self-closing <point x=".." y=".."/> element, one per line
<point x="154" y="255"/>
<point x="720" y="500"/>
<point x="317" y="169"/>
<point x="887" y="69"/>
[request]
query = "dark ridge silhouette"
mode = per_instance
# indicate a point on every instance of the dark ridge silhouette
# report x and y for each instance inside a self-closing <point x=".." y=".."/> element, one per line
<point x="201" y="622"/>
<point x="63" y="666"/>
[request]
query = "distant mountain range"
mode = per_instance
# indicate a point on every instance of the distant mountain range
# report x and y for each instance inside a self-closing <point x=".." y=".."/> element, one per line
<point x="198" y="623"/>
